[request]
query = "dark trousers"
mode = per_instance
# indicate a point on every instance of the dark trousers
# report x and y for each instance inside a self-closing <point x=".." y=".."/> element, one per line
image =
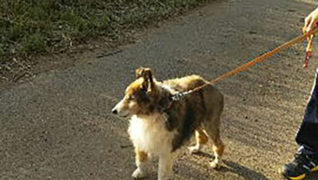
<point x="307" y="136"/>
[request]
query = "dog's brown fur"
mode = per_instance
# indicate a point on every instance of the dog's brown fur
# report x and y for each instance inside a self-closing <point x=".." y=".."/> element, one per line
<point x="156" y="128"/>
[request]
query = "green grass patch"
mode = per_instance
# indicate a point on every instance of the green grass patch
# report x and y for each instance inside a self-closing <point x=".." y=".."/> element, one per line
<point x="35" y="26"/>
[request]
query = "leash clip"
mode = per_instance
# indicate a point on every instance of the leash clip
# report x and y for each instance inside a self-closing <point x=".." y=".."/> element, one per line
<point x="179" y="96"/>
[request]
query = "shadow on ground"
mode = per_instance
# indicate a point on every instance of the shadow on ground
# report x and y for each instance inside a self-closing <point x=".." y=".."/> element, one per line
<point x="242" y="171"/>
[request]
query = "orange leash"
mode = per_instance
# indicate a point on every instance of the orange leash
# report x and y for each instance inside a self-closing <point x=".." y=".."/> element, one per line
<point x="246" y="66"/>
<point x="265" y="56"/>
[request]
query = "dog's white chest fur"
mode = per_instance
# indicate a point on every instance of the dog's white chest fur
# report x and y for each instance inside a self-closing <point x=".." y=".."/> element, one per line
<point x="150" y="134"/>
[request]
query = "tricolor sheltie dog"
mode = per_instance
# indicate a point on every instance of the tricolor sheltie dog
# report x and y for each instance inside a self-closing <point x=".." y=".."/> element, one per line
<point x="159" y="126"/>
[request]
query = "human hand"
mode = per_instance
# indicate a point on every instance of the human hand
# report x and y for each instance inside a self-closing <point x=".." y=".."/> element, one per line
<point x="311" y="21"/>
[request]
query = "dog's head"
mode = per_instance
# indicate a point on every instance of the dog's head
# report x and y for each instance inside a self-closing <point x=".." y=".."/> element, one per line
<point x="142" y="97"/>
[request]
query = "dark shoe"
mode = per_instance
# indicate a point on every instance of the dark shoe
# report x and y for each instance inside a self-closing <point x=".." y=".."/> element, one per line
<point x="300" y="167"/>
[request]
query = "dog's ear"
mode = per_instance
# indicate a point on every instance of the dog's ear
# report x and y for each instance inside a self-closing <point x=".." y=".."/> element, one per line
<point x="139" y="72"/>
<point x="145" y="73"/>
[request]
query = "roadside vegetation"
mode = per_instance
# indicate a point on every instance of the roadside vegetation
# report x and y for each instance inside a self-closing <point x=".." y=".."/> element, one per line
<point x="29" y="27"/>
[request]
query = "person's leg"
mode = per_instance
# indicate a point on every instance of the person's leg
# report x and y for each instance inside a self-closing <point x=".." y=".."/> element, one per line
<point x="306" y="160"/>
<point x="308" y="133"/>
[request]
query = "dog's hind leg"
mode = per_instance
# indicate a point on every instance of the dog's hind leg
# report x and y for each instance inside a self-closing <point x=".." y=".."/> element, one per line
<point x="213" y="132"/>
<point x="141" y="162"/>
<point x="201" y="138"/>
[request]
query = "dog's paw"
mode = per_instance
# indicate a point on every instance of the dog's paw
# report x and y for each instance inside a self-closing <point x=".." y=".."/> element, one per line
<point x="137" y="174"/>
<point x="215" y="164"/>
<point x="194" y="149"/>
<point x="165" y="178"/>
<point x="168" y="175"/>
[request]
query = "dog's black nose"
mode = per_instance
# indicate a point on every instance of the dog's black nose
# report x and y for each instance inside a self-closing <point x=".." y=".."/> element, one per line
<point x="114" y="111"/>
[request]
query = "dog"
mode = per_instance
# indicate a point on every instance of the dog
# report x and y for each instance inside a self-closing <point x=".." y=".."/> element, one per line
<point x="159" y="126"/>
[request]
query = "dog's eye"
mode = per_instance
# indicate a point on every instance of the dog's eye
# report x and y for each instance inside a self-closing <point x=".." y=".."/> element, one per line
<point x="144" y="89"/>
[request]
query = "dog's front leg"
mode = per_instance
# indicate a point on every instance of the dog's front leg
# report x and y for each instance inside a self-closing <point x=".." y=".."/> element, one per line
<point x="165" y="170"/>
<point x="141" y="163"/>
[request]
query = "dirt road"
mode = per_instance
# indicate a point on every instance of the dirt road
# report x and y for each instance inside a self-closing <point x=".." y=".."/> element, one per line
<point x="59" y="126"/>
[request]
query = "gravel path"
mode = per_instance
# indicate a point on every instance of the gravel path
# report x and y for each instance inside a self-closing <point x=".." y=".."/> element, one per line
<point x="59" y="126"/>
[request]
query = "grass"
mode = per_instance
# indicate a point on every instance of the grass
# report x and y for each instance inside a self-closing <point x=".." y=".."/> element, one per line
<point x="29" y="27"/>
